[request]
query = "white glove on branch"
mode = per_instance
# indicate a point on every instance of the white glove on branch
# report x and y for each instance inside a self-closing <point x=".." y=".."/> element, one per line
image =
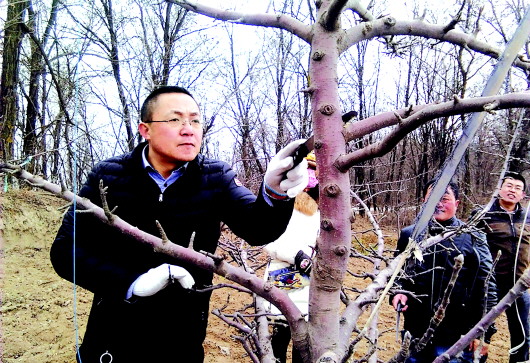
<point x="280" y="180"/>
<point x="158" y="278"/>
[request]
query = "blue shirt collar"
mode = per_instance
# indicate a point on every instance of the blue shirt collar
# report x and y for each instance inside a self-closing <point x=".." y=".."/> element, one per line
<point x="162" y="182"/>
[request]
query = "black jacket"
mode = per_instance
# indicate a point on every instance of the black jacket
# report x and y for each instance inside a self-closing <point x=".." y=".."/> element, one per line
<point x="169" y="326"/>
<point x="467" y="299"/>
<point x="503" y="230"/>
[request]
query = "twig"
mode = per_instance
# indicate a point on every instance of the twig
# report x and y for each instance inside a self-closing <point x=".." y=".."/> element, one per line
<point x="163" y="234"/>
<point x="247" y="348"/>
<point x="221" y="286"/>
<point x="404" y="352"/>
<point x="519" y="288"/>
<point x="104" y="204"/>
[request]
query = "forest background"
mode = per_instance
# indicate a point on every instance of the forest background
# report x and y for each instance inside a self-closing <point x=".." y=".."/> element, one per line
<point x="73" y="84"/>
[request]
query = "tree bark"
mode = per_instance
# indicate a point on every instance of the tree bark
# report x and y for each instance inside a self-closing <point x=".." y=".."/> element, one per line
<point x="13" y="35"/>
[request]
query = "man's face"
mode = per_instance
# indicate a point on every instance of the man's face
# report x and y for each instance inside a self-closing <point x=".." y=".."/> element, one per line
<point x="512" y="191"/>
<point x="171" y="142"/>
<point x="446" y="207"/>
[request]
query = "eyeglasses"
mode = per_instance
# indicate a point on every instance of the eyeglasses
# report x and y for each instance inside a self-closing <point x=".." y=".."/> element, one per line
<point x="196" y="124"/>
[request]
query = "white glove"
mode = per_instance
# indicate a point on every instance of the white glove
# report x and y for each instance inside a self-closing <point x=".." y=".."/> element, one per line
<point x="158" y="278"/>
<point x="280" y="181"/>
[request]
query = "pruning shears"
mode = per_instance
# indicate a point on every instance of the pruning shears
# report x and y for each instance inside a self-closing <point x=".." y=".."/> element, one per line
<point x="398" y="310"/>
<point x="304" y="149"/>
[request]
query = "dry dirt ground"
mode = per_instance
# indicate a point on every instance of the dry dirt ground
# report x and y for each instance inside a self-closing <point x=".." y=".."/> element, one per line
<point x="41" y="314"/>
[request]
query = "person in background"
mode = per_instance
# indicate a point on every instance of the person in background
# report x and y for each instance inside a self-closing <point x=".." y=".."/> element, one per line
<point x="507" y="227"/>
<point x="428" y="280"/>
<point x="144" y="308"/>
<point x="290" y="263"/>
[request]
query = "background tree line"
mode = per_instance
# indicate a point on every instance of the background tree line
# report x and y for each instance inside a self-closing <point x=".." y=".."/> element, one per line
<point x="74" y="76"/>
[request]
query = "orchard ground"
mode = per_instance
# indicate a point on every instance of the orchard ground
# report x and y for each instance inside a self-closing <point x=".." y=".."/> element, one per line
<point x="38" y="323"/>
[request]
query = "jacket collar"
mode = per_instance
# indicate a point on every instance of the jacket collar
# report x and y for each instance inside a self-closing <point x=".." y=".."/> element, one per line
<point x="497" y="207"/>
<point x="438" y="227"/>
<point x="137" y="159"/>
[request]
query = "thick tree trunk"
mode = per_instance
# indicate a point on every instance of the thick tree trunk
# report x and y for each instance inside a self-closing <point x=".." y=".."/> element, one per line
<point x="334" y="242"/>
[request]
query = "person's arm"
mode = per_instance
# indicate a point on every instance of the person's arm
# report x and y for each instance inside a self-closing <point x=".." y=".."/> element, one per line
<point x="402" y="243"/>
<point x="95" y="258"/>
<point x="300" y="235"/>
<point x="258" y="220"/>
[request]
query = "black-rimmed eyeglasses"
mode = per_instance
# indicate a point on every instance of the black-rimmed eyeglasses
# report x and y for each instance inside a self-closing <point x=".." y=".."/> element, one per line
<point x="176" y="122"/>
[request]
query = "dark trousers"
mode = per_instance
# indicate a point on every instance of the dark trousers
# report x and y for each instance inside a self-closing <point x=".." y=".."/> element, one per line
<point x="281" y="336"/>
<point x="517" y="316"/>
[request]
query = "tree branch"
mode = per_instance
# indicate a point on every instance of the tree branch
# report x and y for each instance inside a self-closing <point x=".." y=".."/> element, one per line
<point x="411" y="120"/>
<point x="330" y="20"/>
<point x="520" y="287"/>
<point x="390" y="26"/>
<point x="440" y="312"/>
<point x="280" y="21"/>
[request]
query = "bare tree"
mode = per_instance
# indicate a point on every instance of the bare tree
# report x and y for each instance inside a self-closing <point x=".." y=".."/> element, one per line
<point x="13" y="35"/>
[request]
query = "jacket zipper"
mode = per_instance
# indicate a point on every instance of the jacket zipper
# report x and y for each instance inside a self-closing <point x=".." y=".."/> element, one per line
<point x="161" y="197"/>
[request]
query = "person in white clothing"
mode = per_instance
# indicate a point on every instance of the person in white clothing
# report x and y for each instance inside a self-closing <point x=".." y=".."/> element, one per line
<point x="290" y="263"/>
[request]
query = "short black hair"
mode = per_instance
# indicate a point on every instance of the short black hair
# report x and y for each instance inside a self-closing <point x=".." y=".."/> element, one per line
<point x="454" y="187"/>
<point x="146" y="111"/>
<point x="516" y="176"/>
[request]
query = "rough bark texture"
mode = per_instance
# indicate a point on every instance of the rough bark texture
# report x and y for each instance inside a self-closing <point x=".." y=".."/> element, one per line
<point x="13" y="35"/>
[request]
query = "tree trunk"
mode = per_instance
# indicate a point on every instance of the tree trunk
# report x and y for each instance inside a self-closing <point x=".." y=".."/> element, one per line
<point x="115" y="63"/>
<point x="37" y="69"/>
<point x="13" y="36"/>
<point x="334" y="241"/>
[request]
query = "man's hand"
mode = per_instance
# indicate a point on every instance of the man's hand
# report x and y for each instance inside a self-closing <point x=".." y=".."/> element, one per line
<point x="281" y="181"/>
<point x="402" y="299"/>
<point x="158" y="278"/>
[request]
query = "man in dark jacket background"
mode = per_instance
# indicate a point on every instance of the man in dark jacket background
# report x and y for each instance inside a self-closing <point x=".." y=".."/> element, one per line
<point x="507" y="228"/>
<point x="428" y="280"/>
<point x="138" y="313"/>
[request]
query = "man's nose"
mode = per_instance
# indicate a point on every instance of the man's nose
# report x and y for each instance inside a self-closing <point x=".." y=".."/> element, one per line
<point x="186" y="128"/>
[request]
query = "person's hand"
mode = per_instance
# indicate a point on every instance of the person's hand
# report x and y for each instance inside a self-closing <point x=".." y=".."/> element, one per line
<point x="402" y="299"/>
<point x="303" y="262"/>
<point x="158" y="278"/>
<point x="280" y="180"/>
<point x="474" y="345"/>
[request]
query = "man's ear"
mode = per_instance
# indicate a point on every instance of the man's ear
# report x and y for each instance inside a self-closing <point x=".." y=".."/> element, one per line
<point x="457" y="203"/>
<point x="143" y="129"/>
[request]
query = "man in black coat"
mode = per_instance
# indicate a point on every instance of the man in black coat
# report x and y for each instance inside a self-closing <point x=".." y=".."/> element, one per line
<point x="428" y="280"/>
<point x="138" y="314"/>
<point x="507" y="227"/>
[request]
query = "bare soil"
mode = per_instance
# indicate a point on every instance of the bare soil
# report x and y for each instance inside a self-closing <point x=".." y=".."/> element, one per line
<point x="42" y="315"/>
